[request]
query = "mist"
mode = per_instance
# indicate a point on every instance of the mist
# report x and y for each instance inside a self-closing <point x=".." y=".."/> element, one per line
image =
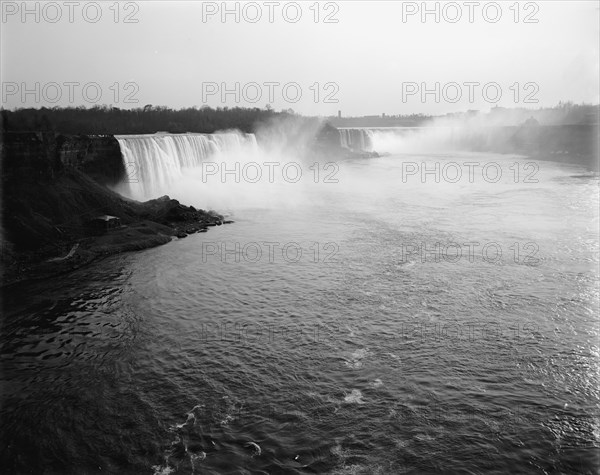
<point x="274" y="167"/>
<point x="518" y="131"/>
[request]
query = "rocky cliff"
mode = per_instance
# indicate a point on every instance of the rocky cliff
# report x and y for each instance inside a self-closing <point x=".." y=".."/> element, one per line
<point x="53" y="186"/>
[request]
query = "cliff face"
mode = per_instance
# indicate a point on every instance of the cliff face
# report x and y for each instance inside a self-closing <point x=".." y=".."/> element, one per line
<point x="44" y="154"/>
<point x="98" y="156"/>
<point x="53" y="187"/>
<point x="49" y="181"/>
<point x="29" y="155"/>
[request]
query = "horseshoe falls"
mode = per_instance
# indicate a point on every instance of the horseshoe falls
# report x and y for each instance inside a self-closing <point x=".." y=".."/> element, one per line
<point x="359" y="139"/>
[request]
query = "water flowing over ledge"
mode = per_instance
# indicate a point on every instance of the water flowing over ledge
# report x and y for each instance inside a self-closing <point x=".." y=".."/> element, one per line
<point x="574" y="143"/>
<point x="359" y="139"/>
<point x="153" y="162"/>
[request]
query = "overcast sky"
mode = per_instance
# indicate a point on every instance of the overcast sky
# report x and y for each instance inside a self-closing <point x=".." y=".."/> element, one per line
<point x="373" y="60"/>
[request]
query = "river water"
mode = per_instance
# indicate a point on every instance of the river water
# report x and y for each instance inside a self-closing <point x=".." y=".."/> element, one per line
<point x="385" y="323"/>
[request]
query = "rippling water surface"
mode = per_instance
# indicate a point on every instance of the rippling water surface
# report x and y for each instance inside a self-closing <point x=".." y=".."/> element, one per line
<point x="372" y="352"/>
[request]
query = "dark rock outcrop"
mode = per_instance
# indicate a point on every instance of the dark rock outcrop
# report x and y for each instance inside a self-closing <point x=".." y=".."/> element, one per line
<point x="99" y="157"/>
<point x="54" y="186"/>
<point x="327" y="146"/>
<point x="47" y="153"/>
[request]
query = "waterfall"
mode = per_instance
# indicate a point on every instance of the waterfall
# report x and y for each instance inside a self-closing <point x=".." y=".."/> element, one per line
<point x="153" y="162"/>
<point x="356" y="139"/>
<point x="386" y="140"/>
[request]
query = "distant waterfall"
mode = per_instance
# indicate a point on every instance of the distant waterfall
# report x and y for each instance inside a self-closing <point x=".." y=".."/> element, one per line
<point x="153" y="162"/>
<point x="356" y="139"/>
<point x="386" y="140"/>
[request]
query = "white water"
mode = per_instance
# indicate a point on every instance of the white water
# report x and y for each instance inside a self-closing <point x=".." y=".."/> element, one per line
<point x="153" y="163"/>
<point x="356" y="139"/>
<point x="227" y="170"/>
<point x="195" y="167"/>
<point x="401" y="140"/>
<point x="398" y="140"/>
<point x="417" y="140"/>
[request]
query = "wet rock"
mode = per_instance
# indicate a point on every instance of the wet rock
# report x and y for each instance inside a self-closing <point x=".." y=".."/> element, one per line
<point x="216" y="216"/>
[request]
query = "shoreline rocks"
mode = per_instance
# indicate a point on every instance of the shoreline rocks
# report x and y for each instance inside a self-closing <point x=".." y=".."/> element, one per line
<point x="59" y="214"/>
<point x="50" y="226"/>
<point x="136" y="236"/>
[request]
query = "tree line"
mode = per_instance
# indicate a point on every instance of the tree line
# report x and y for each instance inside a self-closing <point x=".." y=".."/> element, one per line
<point x="104" y="120"/>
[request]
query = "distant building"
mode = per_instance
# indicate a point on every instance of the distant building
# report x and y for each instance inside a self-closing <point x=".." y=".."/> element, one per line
<point x="339" y="114"/>
<point x="104" y="223"/>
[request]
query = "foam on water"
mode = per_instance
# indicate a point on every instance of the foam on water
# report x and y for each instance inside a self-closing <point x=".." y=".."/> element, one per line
<point x="119" y="351"/>
<point x="357" y="357"/>
<point x="355" y="397"/>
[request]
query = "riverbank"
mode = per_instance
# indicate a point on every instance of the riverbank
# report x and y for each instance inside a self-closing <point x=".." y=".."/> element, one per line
<point x="70" y="254"/>
<point x="51" y="225"/>
<point x="57" y="187"/>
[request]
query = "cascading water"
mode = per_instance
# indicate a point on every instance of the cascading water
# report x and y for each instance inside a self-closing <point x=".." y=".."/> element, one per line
<point x="440" y="136"/>
<point x="388" y="140"/>
<point x="356" y="139"/>
<point x="153" y="162"/>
